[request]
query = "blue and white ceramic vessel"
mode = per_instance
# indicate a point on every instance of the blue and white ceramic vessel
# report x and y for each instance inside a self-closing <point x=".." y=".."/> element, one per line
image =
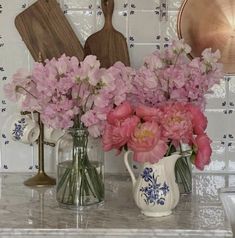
<point x="155" y="191"/>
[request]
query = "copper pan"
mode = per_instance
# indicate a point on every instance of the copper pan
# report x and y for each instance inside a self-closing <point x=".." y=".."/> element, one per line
<point x="209" y="24"/>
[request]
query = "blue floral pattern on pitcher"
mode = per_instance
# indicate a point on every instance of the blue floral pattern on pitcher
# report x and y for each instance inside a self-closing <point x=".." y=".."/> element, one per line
<point x="18" y="129"/>
<point x="155" y="192"/>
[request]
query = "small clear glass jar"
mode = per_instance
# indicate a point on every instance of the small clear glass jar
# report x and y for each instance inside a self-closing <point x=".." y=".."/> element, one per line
<point x="80" y="170"/>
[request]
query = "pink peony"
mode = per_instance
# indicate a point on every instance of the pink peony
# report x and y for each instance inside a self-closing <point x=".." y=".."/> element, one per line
<point x="176" y="123"/>
<point x="147" y="144"/>
<point x="203" y="151"/>
<point x="148" y="113"/>
<point x="116" y="136"/>
<point x="198" y="119"/>
<point x="120" y="113"/>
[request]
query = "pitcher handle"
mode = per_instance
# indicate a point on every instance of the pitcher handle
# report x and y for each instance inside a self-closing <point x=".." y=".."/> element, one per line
<point x="126" y="161"/>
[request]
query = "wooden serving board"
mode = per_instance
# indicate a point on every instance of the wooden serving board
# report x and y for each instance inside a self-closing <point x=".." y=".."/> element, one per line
<point x="44" y="28"/>
<point x="108" y="44"/>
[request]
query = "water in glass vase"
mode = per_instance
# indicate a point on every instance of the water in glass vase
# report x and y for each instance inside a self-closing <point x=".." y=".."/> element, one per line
<point x="80" y="172"/>
<point x="80" y="188"/>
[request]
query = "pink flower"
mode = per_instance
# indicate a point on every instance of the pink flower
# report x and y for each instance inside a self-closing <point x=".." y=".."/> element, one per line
<point x="148" y="113"/>
<point x="94" y="130"/>
<point x="198" y="119"/>
<point x="115" y="137"/>
<point x="10" y="92"/>
<point x="91" y="61"/>
<point x="179" y="46"/>
<point x="21" y="78"/>
<point x="176" y="123"/>
<point x="147" y="144"/>
<point x="153" y="62"/>
<point x="210" y="57"/>
<point x="89" y="118"/>
<point x="175" y="76"/>
<point x="120" y="113"/>
<point x="203" y="151"/>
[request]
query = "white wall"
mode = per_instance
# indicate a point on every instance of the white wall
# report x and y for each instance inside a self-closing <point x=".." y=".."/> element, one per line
<point x="139" y="21"/>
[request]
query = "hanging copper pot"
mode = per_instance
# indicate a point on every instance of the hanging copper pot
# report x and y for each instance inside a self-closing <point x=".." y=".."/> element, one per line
<point x="209" y="24"/>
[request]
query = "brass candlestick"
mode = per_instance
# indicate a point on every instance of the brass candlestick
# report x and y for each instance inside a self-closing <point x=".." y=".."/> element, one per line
<point x="41" y="179"/>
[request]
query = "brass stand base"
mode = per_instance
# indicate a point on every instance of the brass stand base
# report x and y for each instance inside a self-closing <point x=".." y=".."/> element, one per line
<point x="40" y="180"/>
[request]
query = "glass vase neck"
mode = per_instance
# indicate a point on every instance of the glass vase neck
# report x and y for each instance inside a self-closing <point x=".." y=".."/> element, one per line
<point x="77" y="132"/>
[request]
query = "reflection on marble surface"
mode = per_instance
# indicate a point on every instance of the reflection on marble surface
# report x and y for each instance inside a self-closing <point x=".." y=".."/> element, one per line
<point x="29" y="212"/>
<point x="206" y="188"/>
<point x="227" y="196"/>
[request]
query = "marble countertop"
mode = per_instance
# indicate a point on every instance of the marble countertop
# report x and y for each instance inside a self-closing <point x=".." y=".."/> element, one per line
<point x="26" y="212"/>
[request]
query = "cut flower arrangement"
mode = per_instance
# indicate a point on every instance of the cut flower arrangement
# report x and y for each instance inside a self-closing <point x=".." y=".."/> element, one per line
<point x="152" y="133"/>
<point x="152" y="110"/>
<point x="166" y="110"/>
<point x="75" y="96"/>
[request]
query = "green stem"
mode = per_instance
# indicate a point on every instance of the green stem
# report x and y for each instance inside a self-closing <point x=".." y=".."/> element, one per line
<point x="169" y="149"/>
<point x="80" y="182"/>
<point x="183" y="173"/>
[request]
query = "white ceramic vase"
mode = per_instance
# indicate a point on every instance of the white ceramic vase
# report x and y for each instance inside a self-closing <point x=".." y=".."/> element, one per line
<point x="155" y="190"/>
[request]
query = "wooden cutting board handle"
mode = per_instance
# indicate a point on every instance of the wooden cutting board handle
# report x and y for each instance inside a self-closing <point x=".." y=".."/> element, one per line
<point x="107" y="8"/>
<point x="108" y="44"/>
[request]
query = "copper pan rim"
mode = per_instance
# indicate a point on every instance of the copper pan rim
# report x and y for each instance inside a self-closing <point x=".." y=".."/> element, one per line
<point x="195" y="26"/>
<point x="179" y="20"/>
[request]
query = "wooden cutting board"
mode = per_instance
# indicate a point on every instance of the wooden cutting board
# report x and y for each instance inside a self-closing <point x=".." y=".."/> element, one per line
<point x="108" y="44"/>
<point x="44" y="28"/>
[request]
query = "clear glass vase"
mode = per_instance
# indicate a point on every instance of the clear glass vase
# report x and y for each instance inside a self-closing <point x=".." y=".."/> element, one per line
<point x="80" y="170"/>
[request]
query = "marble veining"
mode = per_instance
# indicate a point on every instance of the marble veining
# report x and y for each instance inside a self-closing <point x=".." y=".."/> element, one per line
<point x="26" y="212"/>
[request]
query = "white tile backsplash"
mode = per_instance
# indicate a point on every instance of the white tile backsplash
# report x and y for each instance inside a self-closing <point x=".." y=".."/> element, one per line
<point x="174" y="4"/>
<point x="144" y="5"/>
<point x="75" y="4"/>
<point x="83" y="23"/>
<point x="217" y="99"/>
<point x="146" y="30"/>
<point x="147" y="19"/>
<point x="138" y="51"/>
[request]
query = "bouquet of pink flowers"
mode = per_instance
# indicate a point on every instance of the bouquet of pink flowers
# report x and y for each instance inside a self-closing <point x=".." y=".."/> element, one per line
<point x="164" y="110"/>
<point x="67" y="92"/>
<point x="152" y="110"/>
<point x="151" y="133"/>
<point x="76" y="96"/>
<point x="169" y="76"/>
<point x="59" y="89"/>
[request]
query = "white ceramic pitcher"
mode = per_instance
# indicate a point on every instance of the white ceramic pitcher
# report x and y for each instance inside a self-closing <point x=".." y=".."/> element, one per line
<point x="155" y="191"/>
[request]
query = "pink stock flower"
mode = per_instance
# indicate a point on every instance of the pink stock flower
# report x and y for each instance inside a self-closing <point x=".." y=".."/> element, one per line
<point x="95" y="130"/>
<point x="120" y="113"/>
<point x="10" y="92"/>
<point x="203" y="151"/>
<point x="210" y="57"/>
<point x="115" y="137"/>
<point x="153" y="62"/>
<point x="89" y="118"/>
<point x="21" y="78"/>
<point x="199" y="120"/>
<point x="147" y="144"/>
<point x="169" y="75"/>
